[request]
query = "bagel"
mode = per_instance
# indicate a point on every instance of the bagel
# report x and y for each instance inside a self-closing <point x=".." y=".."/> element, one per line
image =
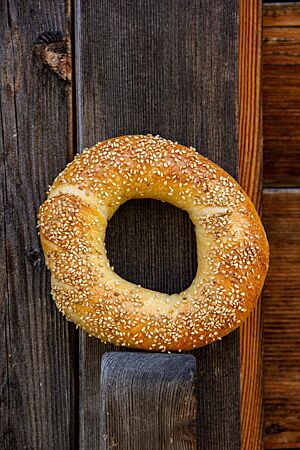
<point x="232" y="248"/>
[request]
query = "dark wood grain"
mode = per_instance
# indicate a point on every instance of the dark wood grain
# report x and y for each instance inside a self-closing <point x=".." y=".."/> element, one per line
<point x="169" y="68"/>
<point x="148" y="401"/>
<point x="250" y="177"/>
<point x="281" y="94"/>
<point x="155" y="266"/>
<point x="282" y="319"/>
<point x="37" y="379"/>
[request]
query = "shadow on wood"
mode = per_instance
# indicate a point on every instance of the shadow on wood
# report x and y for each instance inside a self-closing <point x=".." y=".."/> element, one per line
<point x="148" y="401"/>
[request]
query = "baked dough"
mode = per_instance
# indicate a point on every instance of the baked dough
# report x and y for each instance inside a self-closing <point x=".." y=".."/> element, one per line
<point x="232" y="248"/>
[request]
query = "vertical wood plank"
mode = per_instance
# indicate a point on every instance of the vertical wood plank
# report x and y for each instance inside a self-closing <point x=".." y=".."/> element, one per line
<point x="281" y="99"/>
<point x="37" y="379"/>
<point x="282" y="320"/>
<point x="148" y="401"/>
<point x="169" y="68"/>
<point x="250" y="177"/>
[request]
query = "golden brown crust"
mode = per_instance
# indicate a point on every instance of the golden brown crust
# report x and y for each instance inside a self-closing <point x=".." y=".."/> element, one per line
<point x="232" y="257"/>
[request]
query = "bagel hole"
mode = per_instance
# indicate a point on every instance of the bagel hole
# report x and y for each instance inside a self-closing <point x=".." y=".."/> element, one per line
<point x="153" y="244"/>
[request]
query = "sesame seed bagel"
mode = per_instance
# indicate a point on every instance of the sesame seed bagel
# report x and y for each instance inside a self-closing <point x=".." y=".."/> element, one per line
<point x="232" y="248"/>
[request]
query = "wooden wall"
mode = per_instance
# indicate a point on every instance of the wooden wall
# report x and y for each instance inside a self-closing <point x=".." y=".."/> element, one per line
<point x="281" y="205"/>
<point x="42" y="349"/>
<point x="167" y="67"/>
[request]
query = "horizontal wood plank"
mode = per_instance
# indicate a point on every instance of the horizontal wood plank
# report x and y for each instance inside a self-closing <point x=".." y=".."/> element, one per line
<point x="282" y="320"/>
<point x="36" y="365"/>
<point x="281" y="94"/>
<point x="281" y="14"/>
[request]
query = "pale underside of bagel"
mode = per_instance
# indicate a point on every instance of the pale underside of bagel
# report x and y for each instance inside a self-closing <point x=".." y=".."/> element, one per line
<point x="232" y="248"/>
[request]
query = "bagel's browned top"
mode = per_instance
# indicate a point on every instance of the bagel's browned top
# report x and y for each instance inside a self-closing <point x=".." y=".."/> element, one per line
<point x="232" y="254"/>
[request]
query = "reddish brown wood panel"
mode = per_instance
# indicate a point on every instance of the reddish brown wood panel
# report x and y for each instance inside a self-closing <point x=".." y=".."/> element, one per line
<point x="250" y="171"/>
<point x="282" y="320"/>
<point x="281" y="94"/>
<point x="281" y="14"/>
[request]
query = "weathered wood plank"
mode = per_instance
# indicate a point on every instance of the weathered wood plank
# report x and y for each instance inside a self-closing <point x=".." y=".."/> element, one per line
<point x="157" y="264"/>
<point x="148" y="401"/>
<point x="281" y="94"/>
<point x="168" y="68"/>
<point x="250" y="177"/>
<point x="282" y="319"/>
<point x="37" y="379"/>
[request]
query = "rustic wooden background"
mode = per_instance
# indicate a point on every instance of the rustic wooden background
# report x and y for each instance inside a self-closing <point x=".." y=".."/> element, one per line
<point x="49" y="391"/>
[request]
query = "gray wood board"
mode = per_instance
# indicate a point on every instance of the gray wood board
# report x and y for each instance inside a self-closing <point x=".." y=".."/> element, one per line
<point x="167" y="68"/>
<point x="148" y="401"/>
<point x="36" y="343"/>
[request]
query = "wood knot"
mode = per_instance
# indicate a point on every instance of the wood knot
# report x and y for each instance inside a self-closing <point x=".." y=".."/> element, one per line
<point x="35" y="257"/>
<point x="55" y="51"/>
<point x="275" y="429"/>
